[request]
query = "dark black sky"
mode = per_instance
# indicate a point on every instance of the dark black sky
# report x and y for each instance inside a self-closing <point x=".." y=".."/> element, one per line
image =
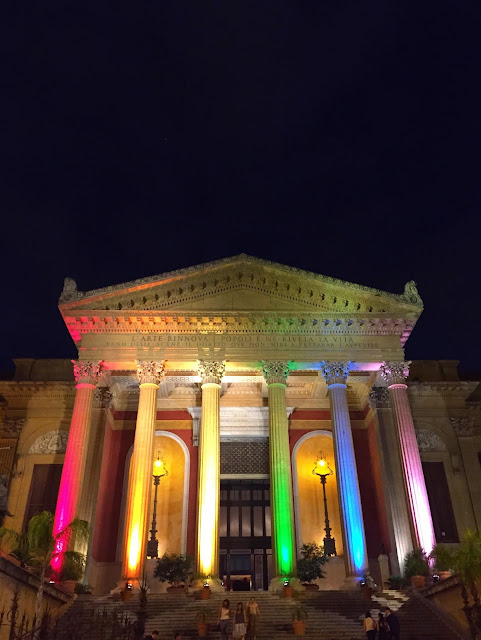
<point x="339" y="137"/>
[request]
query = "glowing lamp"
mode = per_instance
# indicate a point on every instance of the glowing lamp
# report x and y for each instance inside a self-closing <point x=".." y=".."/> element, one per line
<point x="323" y="470"/>
<point x="159" y="471"/>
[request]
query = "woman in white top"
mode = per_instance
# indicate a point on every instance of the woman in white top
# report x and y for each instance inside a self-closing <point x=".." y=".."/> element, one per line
<point x="369" y="626"/>
<point x="224" y="615"/>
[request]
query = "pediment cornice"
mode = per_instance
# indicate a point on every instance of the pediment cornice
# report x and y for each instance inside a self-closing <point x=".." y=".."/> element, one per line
<point x="294" y="288"/>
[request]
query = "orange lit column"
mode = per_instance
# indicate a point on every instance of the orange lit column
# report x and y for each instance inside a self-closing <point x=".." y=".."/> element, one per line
<point x="395" y="373"/>
<point x="68" y="501"/>
<point x="140" y="476"/>
<point x="283" y="540"/>
<point x="207" y="551"/>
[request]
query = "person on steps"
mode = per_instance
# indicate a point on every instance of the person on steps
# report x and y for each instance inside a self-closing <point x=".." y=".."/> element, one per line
<point x="152" y="636"/>
<point x="224" y="615"/>
<point x="239" y="623"/>
<point x="383" y="628"/>
<point x="369" y="626"/>
<point x="393" y="624"/>
<point x="253" y="615"/>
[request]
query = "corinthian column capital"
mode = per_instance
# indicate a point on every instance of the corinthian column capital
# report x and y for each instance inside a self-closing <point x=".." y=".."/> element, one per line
<point x="211" y="371"/>
<point x="335" y="372"/>
<point x="86" y="372"/>
<point x="395" y="373"/>
<point x="275" y="371"/>
<point x="149" y="372"/>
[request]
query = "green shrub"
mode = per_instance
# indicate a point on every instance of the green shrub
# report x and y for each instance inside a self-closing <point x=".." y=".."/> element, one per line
<point x="310" y="564"/>
<point x="174" y="568"/>
<point x="443" y="557"/>
<point x="416" y="563"/>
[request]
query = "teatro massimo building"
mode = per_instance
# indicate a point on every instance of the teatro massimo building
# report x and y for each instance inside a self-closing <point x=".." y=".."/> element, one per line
<point x="216" y="392"/>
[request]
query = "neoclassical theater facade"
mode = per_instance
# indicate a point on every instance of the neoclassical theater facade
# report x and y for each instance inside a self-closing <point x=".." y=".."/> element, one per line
<point x="233" y="376"/>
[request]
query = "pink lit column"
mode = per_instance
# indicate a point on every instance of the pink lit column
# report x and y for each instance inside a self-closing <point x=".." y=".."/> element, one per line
<point x="394" y="373"/>
<point x="86" y="375"/>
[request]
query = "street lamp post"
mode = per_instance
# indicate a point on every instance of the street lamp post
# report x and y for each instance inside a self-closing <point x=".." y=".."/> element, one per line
<point x="159" y="472"/>
<point x="323" y="470"/>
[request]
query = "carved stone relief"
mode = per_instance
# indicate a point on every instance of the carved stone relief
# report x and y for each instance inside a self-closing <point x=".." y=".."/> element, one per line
<point x="429" y="441"/>
<point x="52" y="442"/>
<point x="463" y="427"/>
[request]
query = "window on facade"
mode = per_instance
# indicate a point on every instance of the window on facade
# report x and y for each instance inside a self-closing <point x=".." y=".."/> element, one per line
<point x="442" y="513"/>
<point x="43" y="490"/>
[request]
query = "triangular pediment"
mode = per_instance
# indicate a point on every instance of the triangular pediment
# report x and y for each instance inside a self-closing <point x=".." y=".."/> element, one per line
<point x="240" y="284"/>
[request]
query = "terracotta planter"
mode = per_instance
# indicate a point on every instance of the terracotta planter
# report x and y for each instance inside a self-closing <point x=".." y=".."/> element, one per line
<point x="205" y="593"/>
<point x="299" y="627"/>
<point x="176" y="589"/>
<point x="202" y="628"/>
<point x="68" y="586"/>
<point x="444" y="575"/>
<point x="310" y="586"/>
<point x="287" y="592"/>
<point x="126" y="595"/>
<point x="418" y="582"/>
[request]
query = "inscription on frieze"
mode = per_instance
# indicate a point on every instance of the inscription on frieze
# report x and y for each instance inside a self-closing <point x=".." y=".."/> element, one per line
<point x="186" y="341"/>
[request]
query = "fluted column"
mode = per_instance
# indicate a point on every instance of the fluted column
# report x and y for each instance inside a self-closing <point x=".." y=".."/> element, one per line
<point x="207" y="550"/>
<point x="140" y="476"/>
<point x="395" y="373"/>
<point x="354" y="539"/>
<point x="70" y="491"/>
<point x="282" y="509"/>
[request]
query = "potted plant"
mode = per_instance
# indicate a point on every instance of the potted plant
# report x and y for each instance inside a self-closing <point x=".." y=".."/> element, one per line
<point x="202" y="618"/>
<point x="310" y="565"/>
<point x="287" y="588"/>
<point x="416" y="567"/>
<point x="443" y="559"/>
<point x="299" y="617"/>
<point x="175" y="569"/>
<point x="127" y="591"/>
<point x="71" y="571"/>
<point x="396" y="582"/>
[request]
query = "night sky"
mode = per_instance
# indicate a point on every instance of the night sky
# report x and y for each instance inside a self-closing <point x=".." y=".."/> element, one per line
<point x="342" y="138"/>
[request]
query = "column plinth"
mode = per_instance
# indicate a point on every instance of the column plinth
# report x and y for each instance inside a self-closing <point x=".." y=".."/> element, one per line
<point x="207" y="549"/>
<point x="69" y="496"/>
<point x="140" y="475"/>
<point x="354" y="539"/>
<point x="282" y="509"/>
<point x="395" y="373"/>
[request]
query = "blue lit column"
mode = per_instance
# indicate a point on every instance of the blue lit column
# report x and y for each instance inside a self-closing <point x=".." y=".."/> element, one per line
<point x="354" y="540"/>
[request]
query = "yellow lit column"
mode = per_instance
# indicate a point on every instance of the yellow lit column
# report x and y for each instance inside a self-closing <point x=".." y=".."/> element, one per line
<point x="140" y="476"/>
<point x="207" y="551"/>
<point x="283" y="540"/>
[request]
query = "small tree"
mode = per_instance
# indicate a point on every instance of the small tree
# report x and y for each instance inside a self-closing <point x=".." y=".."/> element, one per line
<point x="174" y="568"/>
<point x="443" y="557"/>
<point x="40" y="545"/>
<point x="310" y="564"/>
<point x="416" y="563"/>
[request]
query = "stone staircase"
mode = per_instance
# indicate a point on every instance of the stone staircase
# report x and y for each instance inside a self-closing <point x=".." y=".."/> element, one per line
<point x="332" y="615"/>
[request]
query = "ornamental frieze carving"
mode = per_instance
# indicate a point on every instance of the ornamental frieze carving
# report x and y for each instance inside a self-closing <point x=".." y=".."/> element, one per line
<point x="12" y="427"/>
<point x="379" y="398"/>
<point x="394" y="372"/>
<point x="86" y="372"/>
<point x="149" y="371"/>
<point x="211" y="371"/>
<point x="102" y="398"/>
<point x="335" y="372"/>
<point x="463" y="427"/>
<point x="275" y="371"/>
<point x="52" y="442"/>
<point x="429" y="441"/>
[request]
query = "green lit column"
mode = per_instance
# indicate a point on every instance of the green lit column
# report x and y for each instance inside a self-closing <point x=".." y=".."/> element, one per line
<point x="282" y="510"/>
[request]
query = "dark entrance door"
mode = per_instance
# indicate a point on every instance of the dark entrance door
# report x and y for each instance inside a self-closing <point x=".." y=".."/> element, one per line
<point x="245" y="534"/>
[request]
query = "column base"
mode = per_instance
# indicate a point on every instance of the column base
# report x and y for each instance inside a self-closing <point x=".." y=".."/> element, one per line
<point x="351" y="583"/>
<point x="276" y="585"/>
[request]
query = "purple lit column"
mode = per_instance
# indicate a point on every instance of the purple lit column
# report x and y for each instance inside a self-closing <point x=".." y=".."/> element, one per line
<point x="395" y="373"/>
<point x="354" y="539"/>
